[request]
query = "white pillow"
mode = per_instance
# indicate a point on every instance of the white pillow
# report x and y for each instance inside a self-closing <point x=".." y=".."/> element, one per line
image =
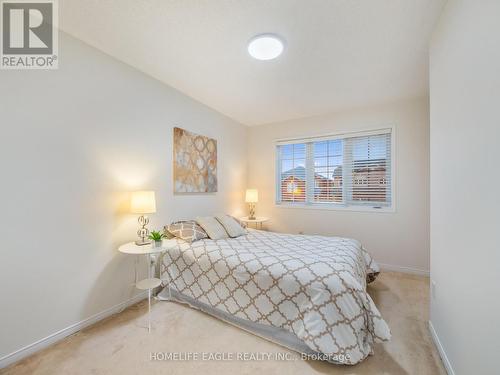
<point x="212" y="227"/>
<point x="232" y="227"/>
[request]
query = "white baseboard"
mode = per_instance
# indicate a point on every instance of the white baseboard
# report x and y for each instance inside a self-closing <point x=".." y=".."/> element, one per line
<point x="442" y="353"/>
<point x="413" y="271"/>
<point x="59" y="335"/>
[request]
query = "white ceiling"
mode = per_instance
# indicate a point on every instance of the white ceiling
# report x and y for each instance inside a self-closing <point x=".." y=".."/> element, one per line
<point x="340" y="53"/>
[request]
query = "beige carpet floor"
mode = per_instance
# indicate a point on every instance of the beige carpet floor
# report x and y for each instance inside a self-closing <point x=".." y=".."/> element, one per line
<point x="121" y="344"/>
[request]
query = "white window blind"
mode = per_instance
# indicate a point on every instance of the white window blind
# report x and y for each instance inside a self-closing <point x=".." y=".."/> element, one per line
<point x="337" y="171"/>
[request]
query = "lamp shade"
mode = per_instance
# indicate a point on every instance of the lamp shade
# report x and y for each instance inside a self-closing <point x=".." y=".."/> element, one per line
<point x="143" y="202"/>
<point x="252" y="196"/>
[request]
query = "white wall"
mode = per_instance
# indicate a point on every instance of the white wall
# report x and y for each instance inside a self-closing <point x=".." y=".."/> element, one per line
<point x="465" y="181"/>
<point x="399" y="239"/>
<point x="73" y="142"/>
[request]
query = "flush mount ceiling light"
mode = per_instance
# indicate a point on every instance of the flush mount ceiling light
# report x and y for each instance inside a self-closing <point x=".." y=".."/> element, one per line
<point x="266" y="46"/>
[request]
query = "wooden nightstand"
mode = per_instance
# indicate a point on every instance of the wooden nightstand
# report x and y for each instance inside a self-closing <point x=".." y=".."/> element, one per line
<point x="258" y="221"/>
<point x="151" y="282"/>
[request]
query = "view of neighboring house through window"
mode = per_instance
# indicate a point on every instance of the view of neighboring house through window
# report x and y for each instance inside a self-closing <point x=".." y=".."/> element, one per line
<point x="370" y="167"/>
<point x="328" y="171"/>
<point x="293" y="180"/>
<point x="347" y="170"/>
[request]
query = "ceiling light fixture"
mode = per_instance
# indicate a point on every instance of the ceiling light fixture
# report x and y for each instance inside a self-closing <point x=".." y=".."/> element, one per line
<point x="266" y="46"/>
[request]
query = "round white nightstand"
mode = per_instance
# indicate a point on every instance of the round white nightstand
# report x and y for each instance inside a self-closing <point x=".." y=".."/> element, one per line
<point x="151" y="282"/>
<point x="258" y="221"/>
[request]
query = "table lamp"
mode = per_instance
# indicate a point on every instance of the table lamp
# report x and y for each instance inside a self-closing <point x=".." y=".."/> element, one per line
<point x="252" y="197"/>
<point x="143" y="202"/>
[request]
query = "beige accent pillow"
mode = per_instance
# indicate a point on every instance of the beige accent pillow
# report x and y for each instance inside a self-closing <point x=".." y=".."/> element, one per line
<point x="232" y="227"/>
<point x="188" y="230"/>
<point x="212" y="227"/>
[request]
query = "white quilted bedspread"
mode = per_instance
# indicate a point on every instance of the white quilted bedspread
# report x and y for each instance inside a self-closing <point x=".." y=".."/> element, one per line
<point x="312" y="286"/>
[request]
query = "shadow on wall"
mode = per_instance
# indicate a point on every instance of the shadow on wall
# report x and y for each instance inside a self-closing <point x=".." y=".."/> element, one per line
<point x="114" y="283"/>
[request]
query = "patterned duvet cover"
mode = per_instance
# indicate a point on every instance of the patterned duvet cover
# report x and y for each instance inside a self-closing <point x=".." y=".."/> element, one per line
<point x="311" y="286"/>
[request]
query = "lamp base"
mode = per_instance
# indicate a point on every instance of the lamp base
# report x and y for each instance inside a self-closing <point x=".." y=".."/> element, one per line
<point x="251" y="214"/>
<point x="143" y="232"/>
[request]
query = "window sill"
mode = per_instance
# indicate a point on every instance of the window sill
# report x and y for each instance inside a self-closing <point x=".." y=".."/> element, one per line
<point x="328" y="207"/>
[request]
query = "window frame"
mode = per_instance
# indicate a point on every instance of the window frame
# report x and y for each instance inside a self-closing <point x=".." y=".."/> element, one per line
<point x="337" y="206"/>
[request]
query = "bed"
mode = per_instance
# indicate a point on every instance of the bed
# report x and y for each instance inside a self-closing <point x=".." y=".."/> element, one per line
<point x="307" y="293"/>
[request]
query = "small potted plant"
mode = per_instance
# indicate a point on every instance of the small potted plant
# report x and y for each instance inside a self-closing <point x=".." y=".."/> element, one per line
<point x="156" y="238"/>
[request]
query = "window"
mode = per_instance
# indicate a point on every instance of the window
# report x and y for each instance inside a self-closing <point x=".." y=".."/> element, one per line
<point x="350" y="170"/>
<point x="292" y="187"/>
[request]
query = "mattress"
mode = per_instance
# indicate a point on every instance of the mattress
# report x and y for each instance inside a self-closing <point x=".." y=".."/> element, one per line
<point x="309" y="291"/>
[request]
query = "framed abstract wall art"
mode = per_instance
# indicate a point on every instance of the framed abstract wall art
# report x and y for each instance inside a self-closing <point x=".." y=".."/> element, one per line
<point x="195" y="163"/>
